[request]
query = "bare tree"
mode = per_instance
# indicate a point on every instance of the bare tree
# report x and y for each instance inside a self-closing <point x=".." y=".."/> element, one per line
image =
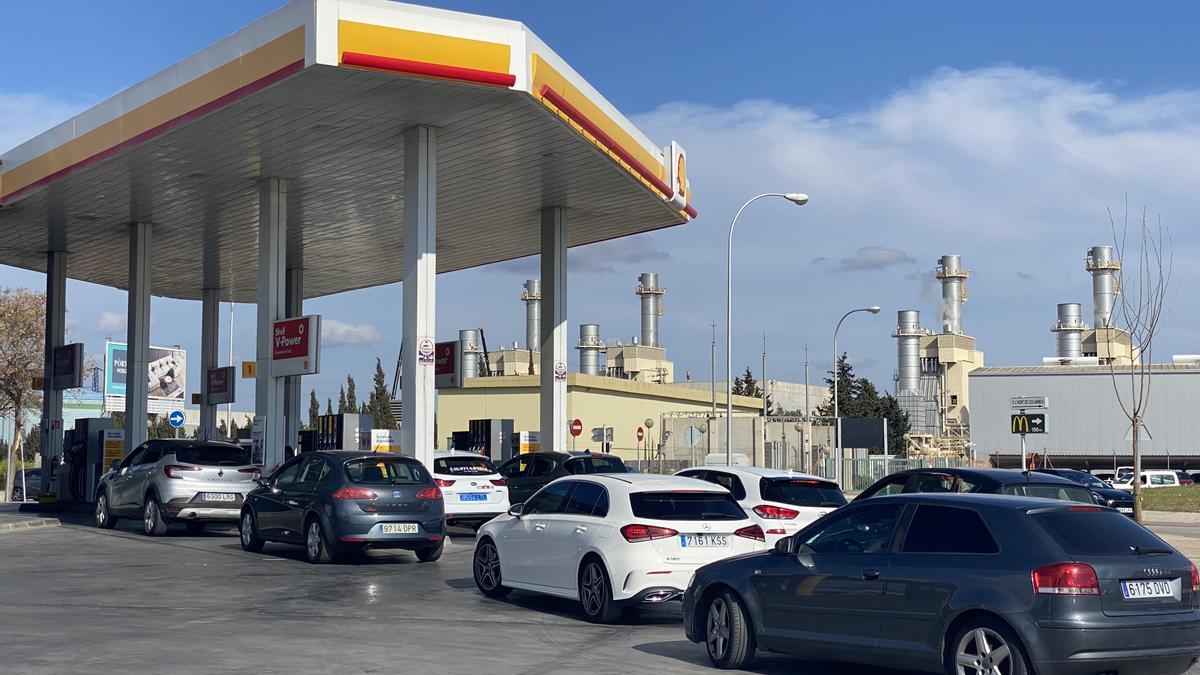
<point x="1144" y="279"/>
<point x="22" y="343"/>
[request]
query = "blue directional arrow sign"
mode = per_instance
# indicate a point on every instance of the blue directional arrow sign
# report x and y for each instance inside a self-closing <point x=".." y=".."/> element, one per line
<point x="176" y="418"/>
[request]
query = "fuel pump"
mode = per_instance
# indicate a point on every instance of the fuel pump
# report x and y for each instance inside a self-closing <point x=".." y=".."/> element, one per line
<point x="83" y="459"/>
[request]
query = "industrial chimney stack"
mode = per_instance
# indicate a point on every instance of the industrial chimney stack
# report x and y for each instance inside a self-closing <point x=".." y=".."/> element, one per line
<point x="908" y="351"/>
<point x="652" y="307"/>
<point x="1104" y="269"/>
<point x="954" y="293"/>
<point x="1069" y="329"/>
<point x="532" y="297"/>
<point x="589" y="348"/>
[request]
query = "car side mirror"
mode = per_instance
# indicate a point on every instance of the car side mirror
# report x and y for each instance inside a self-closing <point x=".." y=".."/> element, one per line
<point x="263" y="481"/>
<point x="516" y="510"/>
<point x="114" y="465"/>
<point x="786" y="546"/>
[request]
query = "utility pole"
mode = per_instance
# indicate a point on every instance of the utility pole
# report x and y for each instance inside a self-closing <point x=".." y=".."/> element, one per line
<point x="229" y="406"/>
<point x="806" y="442"/>
<point x="712" y="420"/>
<point x="764" y="398"/>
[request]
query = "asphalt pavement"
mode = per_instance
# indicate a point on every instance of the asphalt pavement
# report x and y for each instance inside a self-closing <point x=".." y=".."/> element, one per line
<point x="78" y="599"/>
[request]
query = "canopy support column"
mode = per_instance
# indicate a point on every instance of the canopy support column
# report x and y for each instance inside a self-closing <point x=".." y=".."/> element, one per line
<point x="210" y="327"/>
<point x="272" y="256"/>
<point x="137" y="336"/>
<point x="52" y="399"/>
<point x="553" y="392"/>
<point x="420" y="277"/>
<point x="291" y="384"/>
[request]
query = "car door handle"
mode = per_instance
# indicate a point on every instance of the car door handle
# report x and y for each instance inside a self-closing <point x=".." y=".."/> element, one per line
<point x="870" y="575"/>
<point x="539" y="526"/>
<point x="293" y="502"/>
<point x="580" y="529"/>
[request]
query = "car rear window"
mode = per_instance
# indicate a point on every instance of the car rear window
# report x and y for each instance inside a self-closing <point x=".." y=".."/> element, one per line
<point x="464" y="466"/>
<point x="596" y="464"/>
<point x="385" y="470"/>
<point x="801" y="492"/>
<point x="686" y="506"/>
<point x="213" y="455"/>
<point x="1096" y="532"/>
<point x="1068" y="493"/>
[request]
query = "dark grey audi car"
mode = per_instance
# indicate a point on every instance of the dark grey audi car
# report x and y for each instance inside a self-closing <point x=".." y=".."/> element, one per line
<point x="339" y="502"/>
<point x="964" y="584"/>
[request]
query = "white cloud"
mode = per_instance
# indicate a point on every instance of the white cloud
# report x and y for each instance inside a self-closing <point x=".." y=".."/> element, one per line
<point x="869" y="259"/>
<point x="335" y="333"/>
<point x="112" y="322"/>
<point x="25" y="115"/>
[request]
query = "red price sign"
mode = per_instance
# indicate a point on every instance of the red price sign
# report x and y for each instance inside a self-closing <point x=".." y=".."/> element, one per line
<point x="576" y="427"/>
<point x="290" y="339"/>
<point x="641" y="434"/>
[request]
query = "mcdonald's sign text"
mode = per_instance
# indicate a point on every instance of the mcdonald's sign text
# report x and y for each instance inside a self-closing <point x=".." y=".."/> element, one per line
<point x="1028" y="424"/>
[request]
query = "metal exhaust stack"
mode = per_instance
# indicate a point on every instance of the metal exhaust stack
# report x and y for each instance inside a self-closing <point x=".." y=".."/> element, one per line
<point x="532" y="297"/>
<point x="1104" y="268"/>
<point x="652" y="307"/>
<point x="954" y="294"/>
<point x="1069" y="330"/>
<point x="468" y="344"/>
<point x="908" y="350"/>
<point x="589" y="348"/>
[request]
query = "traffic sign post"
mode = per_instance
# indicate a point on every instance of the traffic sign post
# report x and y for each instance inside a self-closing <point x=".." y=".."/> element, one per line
<point x="576" y="430"/>
<point x="176" y="420"/>
<point x="1022" y="423"/>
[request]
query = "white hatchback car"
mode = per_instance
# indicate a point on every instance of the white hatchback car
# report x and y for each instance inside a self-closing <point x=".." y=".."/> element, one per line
<point x="473" y="491"/>
<point x="612" y="540"/>
<point x="781" y="502"/>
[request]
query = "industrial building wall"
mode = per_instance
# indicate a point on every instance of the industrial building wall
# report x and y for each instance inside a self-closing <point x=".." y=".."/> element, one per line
<point x="1084" y="417"/>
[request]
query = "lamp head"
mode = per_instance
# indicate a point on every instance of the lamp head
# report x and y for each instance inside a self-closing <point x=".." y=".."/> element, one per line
<point x="874" y="309"/>
<point x="797" y="198"/>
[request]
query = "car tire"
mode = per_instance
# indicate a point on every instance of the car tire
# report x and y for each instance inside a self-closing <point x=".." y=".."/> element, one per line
<point x="727" y="633"/>
<point x="595" y="593"/>
<point x="431" y="553"/>
<point x="105" y="519"/>
<point x="18" y="495"/>
<point x="152" y="519"/>
<point x="194" y="526"/>
<point x="486" y="567"/>
<point x="248" y="533"/>
<point x="316" y="545"/>
<point x="975" y="646"/>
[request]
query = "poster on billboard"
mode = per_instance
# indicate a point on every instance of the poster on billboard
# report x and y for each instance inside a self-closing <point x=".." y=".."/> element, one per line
<point x="166" y="375"/>
<point x="446" y="365"/>
<point x="296" y="346"/>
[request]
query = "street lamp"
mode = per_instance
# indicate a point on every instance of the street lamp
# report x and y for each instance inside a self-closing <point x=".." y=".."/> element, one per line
<point x="837" y="421"/>
<point x="799" y="199"/>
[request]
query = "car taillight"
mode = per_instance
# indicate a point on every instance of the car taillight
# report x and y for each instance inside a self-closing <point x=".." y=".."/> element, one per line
<point x="499" y="482"/>
<point x="429" y="493"/>
<point x="751" y="532"/>
<point x="636" y="533"/>
<point x="354" y="493"/>
<point x="1066" y="579"/>
<point x="1085" y="508"/>
<point x="173" y="469"/>
<point x="256" y="472"/>
<point x="1195" y="579"/>
<point x="775" y="512"/>
<point x="443" y="483"/>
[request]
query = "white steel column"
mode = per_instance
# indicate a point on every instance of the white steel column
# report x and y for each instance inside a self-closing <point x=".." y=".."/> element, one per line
<point x="137" y="335"/>
<point x="420" y="275"/>
<point x="294" y="293"/>
<point x="272" y="255"/>
<point x="553" y="434"/>
<point x="52" y="400"/>
<point x="210" y="327"/>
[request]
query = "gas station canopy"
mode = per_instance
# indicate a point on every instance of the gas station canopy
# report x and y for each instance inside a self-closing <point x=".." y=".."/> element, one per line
<point x="322" y="91"/>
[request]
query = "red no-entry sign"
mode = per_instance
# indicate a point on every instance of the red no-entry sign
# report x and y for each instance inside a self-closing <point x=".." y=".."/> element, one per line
<point x="576" y="427"/>
<point x="641" y="433"/>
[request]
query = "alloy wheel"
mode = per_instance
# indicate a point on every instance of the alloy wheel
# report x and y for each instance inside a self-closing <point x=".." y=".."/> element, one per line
<point x="101" y="510"/>
<point x="150" y="516"/>
<point x="983" y="651"/>
<point x="592" y="589"/>
<point x="247" y="528"/>
<point x="717" y="633"/>
<point x="487" y="567"/>
<point x="313" y="541"/>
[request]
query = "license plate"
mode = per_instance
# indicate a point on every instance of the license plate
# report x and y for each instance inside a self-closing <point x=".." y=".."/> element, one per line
<point x="398" y="528"/>
<point x="219" y="497"/>
<point x="704" y="540"/>
<point x="472" y="497"/>
<point x="1124" y="509"/>
<point x="1156" y="588"/>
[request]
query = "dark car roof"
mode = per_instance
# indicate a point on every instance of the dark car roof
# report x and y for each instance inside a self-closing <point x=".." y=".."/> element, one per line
<point x="346" y="455"/>
<point x="973" y="499"/>
<point x="995" y="476"/>
<point x="558" y="454"/>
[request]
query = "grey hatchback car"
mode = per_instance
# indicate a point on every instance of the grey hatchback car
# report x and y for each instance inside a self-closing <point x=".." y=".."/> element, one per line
<point x="963" y="584"/>
<point x="176" y="480"/>
<point x="339" y="502"/>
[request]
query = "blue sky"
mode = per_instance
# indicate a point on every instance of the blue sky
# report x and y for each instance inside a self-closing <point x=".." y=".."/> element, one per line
<point x="998" y="131"/>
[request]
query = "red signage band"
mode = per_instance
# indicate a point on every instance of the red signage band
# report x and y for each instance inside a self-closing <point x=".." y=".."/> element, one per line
<point x="425" y="69"/>
<point x="290" y="339"/>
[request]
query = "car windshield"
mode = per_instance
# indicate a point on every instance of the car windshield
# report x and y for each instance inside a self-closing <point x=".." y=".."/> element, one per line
<point x="213" y="455"/>
<point x="1083" y="478"/>
<point x="1124" y="475"/>
<point x="463" y="466"/>
<point x="801" y="492"/>
<point x="1070" y="493"/>
<point x="596" y="464"/>
<point x="385" y="470"/>
<point x="686" y="506"/>
<point x="1098" y="532"/>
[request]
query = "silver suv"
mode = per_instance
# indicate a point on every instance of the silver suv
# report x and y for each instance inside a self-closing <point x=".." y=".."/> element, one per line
<point x="176" y="480"/>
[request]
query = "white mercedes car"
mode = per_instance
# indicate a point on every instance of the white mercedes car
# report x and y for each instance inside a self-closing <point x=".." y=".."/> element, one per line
<point x="473" y="491"/>
<point x="781" y="502"/>
<point x="612" y="540"/>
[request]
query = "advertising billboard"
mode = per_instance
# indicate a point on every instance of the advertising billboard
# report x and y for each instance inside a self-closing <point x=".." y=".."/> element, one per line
<point x="68" y="366"/>
<point x="296" y="346"/>
<point x="220" y="385"/>
<point x="446" y="365"/>
<point x="166" y="375"/>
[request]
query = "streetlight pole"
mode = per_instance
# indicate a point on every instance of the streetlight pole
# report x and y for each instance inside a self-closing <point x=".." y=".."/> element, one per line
<point x="837" y="420"/>
<point x="798" y="199"/>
